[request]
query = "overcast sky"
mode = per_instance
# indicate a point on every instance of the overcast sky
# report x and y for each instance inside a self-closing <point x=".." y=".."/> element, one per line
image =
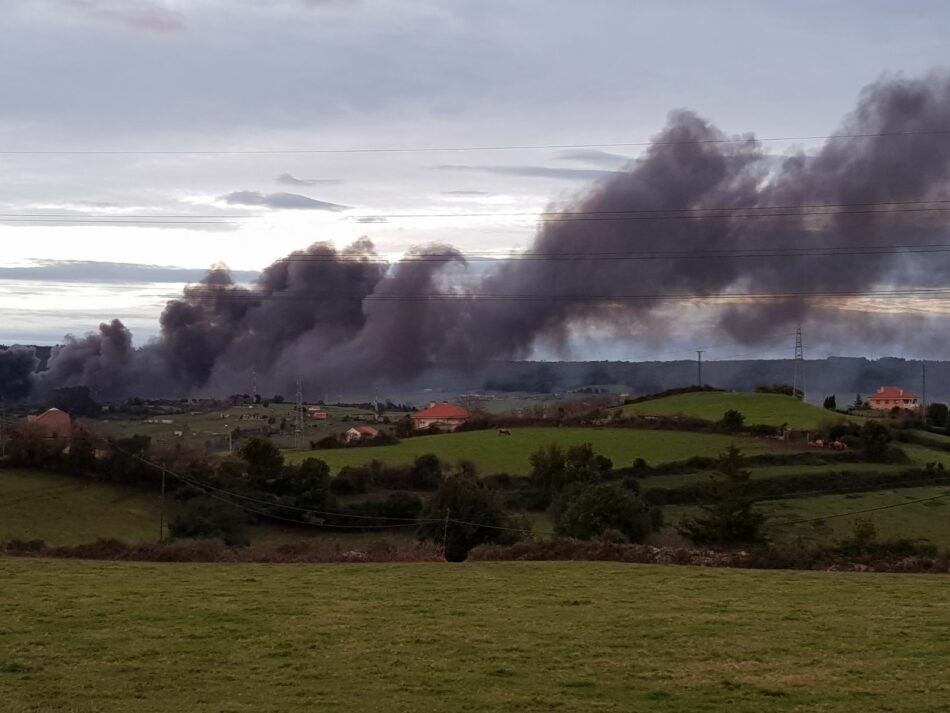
<point x="242" y="75"/>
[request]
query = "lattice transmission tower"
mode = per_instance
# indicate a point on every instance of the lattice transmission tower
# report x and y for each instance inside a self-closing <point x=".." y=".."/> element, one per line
<point x="298" y="417"/>
<point x="798" y="366"/>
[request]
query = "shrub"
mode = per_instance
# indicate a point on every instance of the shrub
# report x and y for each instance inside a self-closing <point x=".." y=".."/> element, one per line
<point x="732" y="421"/>
<point x="206" y="518"/>
<point x="585" y="510"/>
<point x="830" y="403"/>
<point x="875" y="438"/>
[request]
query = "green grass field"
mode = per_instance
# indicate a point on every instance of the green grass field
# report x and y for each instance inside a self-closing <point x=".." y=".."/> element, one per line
<point x="99" y="637"/>
<point x="496" y="454"/>
<point x="766" y="409"/>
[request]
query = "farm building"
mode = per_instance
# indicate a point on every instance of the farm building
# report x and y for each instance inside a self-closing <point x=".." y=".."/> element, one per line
<point x="55" y="422"/>
<point x="888" y="397"/>
<point x="360" y="433"/>
<point x="318" y="414"/>
<point x="445" y="415"/>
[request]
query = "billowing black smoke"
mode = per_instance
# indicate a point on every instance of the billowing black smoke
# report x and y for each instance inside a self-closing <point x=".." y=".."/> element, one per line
<point x="690" y="217"/>
<point x="17" y="365"/>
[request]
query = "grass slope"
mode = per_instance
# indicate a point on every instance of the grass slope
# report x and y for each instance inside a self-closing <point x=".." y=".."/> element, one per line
<point x="66" y="510"/>
<point x="914" y="521"/>
<point x="494" y="454"/>
<point x="766" y="409"/>
<point x="117" y="637"/>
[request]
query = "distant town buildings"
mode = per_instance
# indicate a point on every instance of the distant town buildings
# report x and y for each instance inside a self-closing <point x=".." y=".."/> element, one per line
<point x="445" y="416"/>
<point x="888" y="397"/>
<point x="55" y="423"/>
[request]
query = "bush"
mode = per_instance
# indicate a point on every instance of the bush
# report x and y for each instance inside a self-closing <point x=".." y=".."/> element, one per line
<point x="585" y="510"/>
<point x="875" y="438"/>
<point x="204" y="518"/>
<point x="732" y="421"/>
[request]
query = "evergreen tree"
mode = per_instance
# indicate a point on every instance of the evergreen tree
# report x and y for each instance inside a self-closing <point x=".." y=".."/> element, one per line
<point x="729" y="516"/>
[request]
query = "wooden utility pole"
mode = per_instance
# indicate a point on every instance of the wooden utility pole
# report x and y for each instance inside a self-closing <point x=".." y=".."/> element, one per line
<point x="161" y="514"/>
<point x="699" y="367"/>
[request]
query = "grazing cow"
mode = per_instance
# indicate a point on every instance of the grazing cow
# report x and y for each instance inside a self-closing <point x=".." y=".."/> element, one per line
<point x="819" y="443"/>
<point x="504" y="432"/>
<point x="839" y="446"/>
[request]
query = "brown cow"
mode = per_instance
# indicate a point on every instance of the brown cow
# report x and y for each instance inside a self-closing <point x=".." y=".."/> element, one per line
<point x="504" y="432"/>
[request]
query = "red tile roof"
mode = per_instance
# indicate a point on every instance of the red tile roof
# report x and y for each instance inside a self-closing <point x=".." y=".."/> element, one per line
<point x="892" y="392"/>
<point x="366" y="431"/>
<point x="442" y="411"/>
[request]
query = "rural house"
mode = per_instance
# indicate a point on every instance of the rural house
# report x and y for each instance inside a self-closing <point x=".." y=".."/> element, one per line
<point x="56" y="423"/>
<point x="317" y="414"/>
<point x="360" y="433"/>
<point x="888" y="397"/>
<point x="444" y="415"/>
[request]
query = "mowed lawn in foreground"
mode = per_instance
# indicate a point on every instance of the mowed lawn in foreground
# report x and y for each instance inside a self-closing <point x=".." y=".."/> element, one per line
<point x="765" y="409"/>
<point x="117" y="637"/>
<point x="493" y="453"/>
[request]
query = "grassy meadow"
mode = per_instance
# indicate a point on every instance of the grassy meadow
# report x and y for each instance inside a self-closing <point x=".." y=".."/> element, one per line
<point x="765" y="409"/>
<point x="510" y="454"/>
<point x="115" y="637"/>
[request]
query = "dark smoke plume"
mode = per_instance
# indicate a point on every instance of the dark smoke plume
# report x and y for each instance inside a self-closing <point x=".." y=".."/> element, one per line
<point x="344" y="317"/>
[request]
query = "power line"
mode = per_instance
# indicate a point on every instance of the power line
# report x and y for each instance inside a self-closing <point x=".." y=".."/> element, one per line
<point x="867" y="510"/>
<point x="692" y="210"/>
<point x="816" y="251"/>
<point x="638" y="215"/>
<point x="698" y="210"/>
<point x="203" y="292"/>
<point x="433" y="149"/>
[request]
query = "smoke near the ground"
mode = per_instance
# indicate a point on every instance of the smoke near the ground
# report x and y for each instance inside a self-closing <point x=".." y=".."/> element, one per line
<point x="343" y="317"/>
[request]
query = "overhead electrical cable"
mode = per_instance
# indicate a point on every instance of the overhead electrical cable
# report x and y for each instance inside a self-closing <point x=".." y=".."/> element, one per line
<point x="746" y="139"/>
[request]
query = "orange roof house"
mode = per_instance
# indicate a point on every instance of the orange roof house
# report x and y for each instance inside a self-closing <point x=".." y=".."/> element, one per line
<point x="360" y="433"/>
<point x="56" y="423"/>
<point x="445" y="415"/>
<point x="888" y="397"/>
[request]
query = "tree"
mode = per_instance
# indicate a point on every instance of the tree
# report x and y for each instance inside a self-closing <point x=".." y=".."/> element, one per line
<point x="732" y="421"/>
<point x="858" y="403"/>
<point x="876" y="437"/>
<point x="465" y="513"/>
<point x="728" y="517"/>
<point x="831" y="402"/>
<point x="264" y="459"/>
<point x="81" y="458"/>
<point x="937" y="414"/>
<point x="584" y="510"/>
<point x="552" y="468"/>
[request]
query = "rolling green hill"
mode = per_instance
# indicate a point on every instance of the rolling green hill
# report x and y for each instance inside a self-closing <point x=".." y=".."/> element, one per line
<point x="534" y="637"/>
<point x="496" y="454"/>
<point x="766" y="409"/>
